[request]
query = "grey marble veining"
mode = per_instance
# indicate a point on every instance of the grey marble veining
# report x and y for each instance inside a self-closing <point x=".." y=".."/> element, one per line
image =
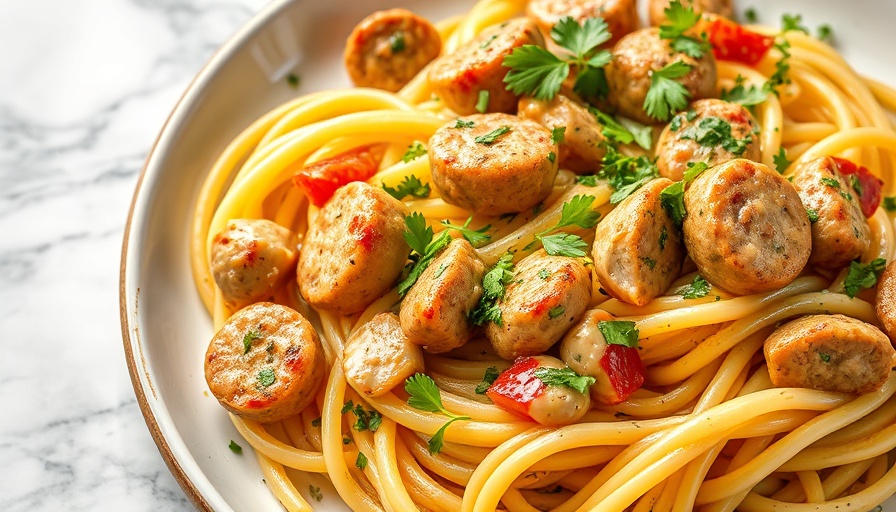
<point x="84" y="89"/>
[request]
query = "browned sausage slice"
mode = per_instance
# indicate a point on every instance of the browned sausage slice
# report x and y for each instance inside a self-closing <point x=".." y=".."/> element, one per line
<point x="388" y="48"/>
<point x="354" y="250"/>
<point x="885" y="303"/>
<point x="637" y="248"/>
<point x="621" y="15"/>
<point x="459" y="78"/>
<point x="581" y="150"/>
<point x="746" y="228"/>
<point x="378" y="356"/>
<point x="434" y="312"/>
<point x="266" y="363"/>
<point x="829" y="352"/>
<point x="841" y="233"/>
<point x="493" y="164"/>
<point x="657" y="9"/>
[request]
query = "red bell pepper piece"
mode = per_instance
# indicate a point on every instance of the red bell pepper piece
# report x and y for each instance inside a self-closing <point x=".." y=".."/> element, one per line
<point x="320" y="180"/>
<point x="516" y="388"/>
<point x="731" y="41"/>
<point x="871" y="186"/>
<point x="624" y="374"/>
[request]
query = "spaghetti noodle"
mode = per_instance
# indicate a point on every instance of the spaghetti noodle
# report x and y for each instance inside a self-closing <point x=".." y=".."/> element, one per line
<point x="707" y="431"/>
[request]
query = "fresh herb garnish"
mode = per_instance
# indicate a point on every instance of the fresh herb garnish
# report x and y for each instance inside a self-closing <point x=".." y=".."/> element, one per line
<point x="666" y="96"/>
<point x="781" y="161"/>
<point x="890" y="204"/>
<point x="622" y="130"/>
<point x="750" y="15"/>
<point x="558" y="134"/>
<point x="589" y="180"/>
<point x="361" y="461"/>
<point x="716" y="132"/>
<point x="482" y="101"/>
<point x="564" y="377"/>
<point x="544" y="274"/>
<point x="315" y="493"/>
<point x="476" y="237"/>
<point x="409" y="186"/>
<point x="680" y="20"/>
<point x="813" y="215"/>
<point x="489" y="138"/>
<point x="793" y="22"/>
<point x="235" y="448"/>
<point x="293" y="80"/>
<point x="625" y="174"/>
<point x="248" y="339"/>
<point x="424" y="248"/>
<point x="535" y="71"/>
<point x="672" y="197"/>
<point x="460" y="123"/>
<point x="366" y="420"/>
<point x="491" y="374"/>
<point x="698" y="288"/>
<point x="742" y="95"/>
<point x="825" y="357"/>
<point x="863" y="275"/>
<point x="266" y="377"/>
<point x="619" y="332"/>
<point x="494" y="285"/>
<point x="396" y="42"/>
<point x="415" y="150"/>
<point x="825" y="32"/>
<point x="424" y="395"/>
<point x="577" y="211"/>
<point x="556" y="311"/>
<point x="782" y="68"/>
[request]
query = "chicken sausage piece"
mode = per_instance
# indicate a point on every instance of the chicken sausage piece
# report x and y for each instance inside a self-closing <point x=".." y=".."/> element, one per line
<point x="266" y="363"/>
<point x="460" y="77"/>
<point x="693" y="136"/>
<point x="354" y="251"/>
<point x="657" y="9"/>
<point x="637" y="56"/>
<point x="547" y="296"/>
<point x="621" y="15"/>
<point x="637" y="249"/>
<point x="434" y="311"/>
<point x="493" y="164"/>
<point x="580" y="151"/>
<point x="388" y="48"/>
<point x="250" y="258"/>
<point x="841" y="233"/>
<point x="885" y="303"/>
<point x="378" y="356"/>
<point x="746" y="228"/>
<point x="830" y="353"/>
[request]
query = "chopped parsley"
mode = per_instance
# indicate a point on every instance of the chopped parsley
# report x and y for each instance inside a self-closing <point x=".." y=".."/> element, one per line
<point x="626" y="174"/>
<point x="558" y="134"/>
<point x="622" y="130"/>
<point x="396" y="42"/>
<point x="293" y="80"/>
<point x="361" y="461"/>
<point x="650" y="262"/>
<point x="415" y="150"/>
<point x="782" y="68"/>
<point x="680" y="20"/>
<point x="494" y="285"/>
<point x="742" y="95"/>
<point x="890" y="204"/>
<point x="316" y="422"/>
<point x="476" y="237"/>
<point x="835" y="183"/>
<point x="544" y="274"/>
<point x="863" y="275"/>
<point x="315" y="493"/>
<point x="619" y="332"/>
<point x="577" y="211"/>
<point x="825" y="32"/>
<point x="460" y="123"/>
<point x="664" y="234"/>
<point x="793" y="22"/>
<point x="856" y="184"/>
<point x="489" y="138"/>
<point x="672" y="197"/>
<point x="535" y="71"/>
<point x="716" y="132"/>
<point x="564" y="377"/>
<point x="482" y="101"/>
<point x="366" y="420"/>
<point x="424" y="248"/>
<point x="666" y="96"/>
<point x="491" y="374"/>
<point x="556" y="311"/>
<point x="266" y="377"/>
<point x="825" y="357"/>
<point x="781" y="161"/>
<point x="409" y="186"/>
<point x="750" y="15"/>
<point x="423" y="394"/>
<point x="589" y="180"/>
<point x="698" y="288"/>
<point x="235" y="448"/>
<point x="552" y="157"/>
<point x="248" y="339"/>
<point x="813" y="215"/>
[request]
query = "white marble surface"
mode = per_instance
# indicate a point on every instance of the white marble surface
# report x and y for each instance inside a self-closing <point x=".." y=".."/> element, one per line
<point x="85" y="87"/>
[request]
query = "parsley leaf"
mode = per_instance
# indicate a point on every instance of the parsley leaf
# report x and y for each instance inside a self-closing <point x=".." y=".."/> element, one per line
<point x="619" y="332"/>
<point x="489" y="138"/>
<point x="556" y="311"/>
<point x="746" y="96"/>
<point x="825" y="32"/>
<point x="423" y="394"/>
<point x="248" y="339"/>
<point x="781" y="161"/>
<point x="491" y="375"/>
<point x="716" y="132"/>
<point x="409" y="186"/>
<point x="793" y="22"/>
<point x="672" y="197"/>
<point x="680" y="20"/>
<point x="367" y="420"/>
<point x="577" y="211"/>
<point x="415" y="150"/>
<point x="558" y="134"/>
<point x="782" y="68"/>
<point x="494" y="283"/>
<point x="890" y="204"/>
<point x="476" y="237"/>
<point x="235" y="448"/>
<point x="625" y="174"/>
<point x="420" y="237"/>
<point x="315" y="493"/>
<point x="537" y="72"/>
<point x="564" y="244"/>
<point x="825" y="357"/>
<point x="266" y="377"/>
<point x="622" y="130"/>
<point x="460" y="123"/>
<point x="482" y="101"/>
<point x="564" y="377"/>
<point x="813" y="215"/>
<point x="863" y="275"/>
<point x="589" y="180"/>
<point x="361" y="461"/>
<point x="751" y="16"/>
<point x="698" y="288"/>
<point x="396" y="42"/>
<point x="666" y="96"/>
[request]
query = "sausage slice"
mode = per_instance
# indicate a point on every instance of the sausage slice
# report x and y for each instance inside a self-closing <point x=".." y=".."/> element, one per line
<point x="493" y="164"/>
<point x="885" y="303"/>
<point x="434" y="312"/>
<point x="378" y="356"/>
<point x="354" y="251"/>
<point x="637" y="248"/>
<point x="266" y="363"/>
<point x="388" y="48"/>
<point x="581" y="150"/>
<point x="746" y="228"/>
<point x="830" y="353"/>
<point x="656" y="9"/>
<point x="621" y="15"/>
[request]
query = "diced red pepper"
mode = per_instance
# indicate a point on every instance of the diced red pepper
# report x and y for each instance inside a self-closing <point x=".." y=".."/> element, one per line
<point x="517" y="386"/>
<point x="320" y="180"/>
<point x="731" y="41"/>
<point x="625" y="373"/>
<point x="871" y="185"/>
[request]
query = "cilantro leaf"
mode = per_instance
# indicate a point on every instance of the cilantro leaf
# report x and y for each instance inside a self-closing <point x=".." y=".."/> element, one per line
<point x="781" y="161"/>
<point x="491" y="137"/>
<point x="564" y="377"/>
<point x="746" y="96"/>
<point x="409" y="186"/>
<point x="619" y="332"/>
<point x="698" y="288"/>
<point x="793" y="22"/>
<point x="564" y="244"/>
<point x="482" y="101"/>
<point x="666" y="96"/>
<point x="534" y="71"/>
<point x="425" y="396"/>
<point x="491" y="375"/>
<point x="476" y="237"/>
<point x="248" y="339"/>
<point x="863" y="275"/>
<point x="716" y="132"/>
<point x="625" y="174"/>
<point x="235" y="448"/>
<point x="494" y="283"/>
<point x="415" y="150"/>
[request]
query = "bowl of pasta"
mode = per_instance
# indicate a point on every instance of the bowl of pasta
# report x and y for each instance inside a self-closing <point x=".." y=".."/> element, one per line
<point x="529" y="255"/>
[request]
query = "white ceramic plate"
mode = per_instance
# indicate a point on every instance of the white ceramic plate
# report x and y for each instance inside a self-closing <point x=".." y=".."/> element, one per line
<point x="164" y="325"/>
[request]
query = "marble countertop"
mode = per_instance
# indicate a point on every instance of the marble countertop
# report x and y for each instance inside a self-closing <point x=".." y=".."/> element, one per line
<point x="86" y="87"/>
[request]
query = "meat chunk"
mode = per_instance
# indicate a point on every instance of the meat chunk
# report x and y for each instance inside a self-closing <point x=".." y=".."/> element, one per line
<point x="885" y="302"/>
<point x="746" y="228"/>
<point x="266" y="363"/>
<point x="459" y="78"/>
<point x="493" y="164"/>
<point x="637" y="249"/>
<point x="250" y="258"/>
<point x="830" y="353"/>
<point x="434" y="312"/>
<point x="617" y="369"/>
<point x="657" y="9"/>
<point x="841" y="233"/>
<point x="354" y="251"/>
<point x="547" y="296"/>
<point x="580" y="151"/>
<point x="640" y="54"/>
<point x="388" y="48"/>
<point x="378" y="356"/>
<point x="621" y="15"/>
<point x="711" y="131"/>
